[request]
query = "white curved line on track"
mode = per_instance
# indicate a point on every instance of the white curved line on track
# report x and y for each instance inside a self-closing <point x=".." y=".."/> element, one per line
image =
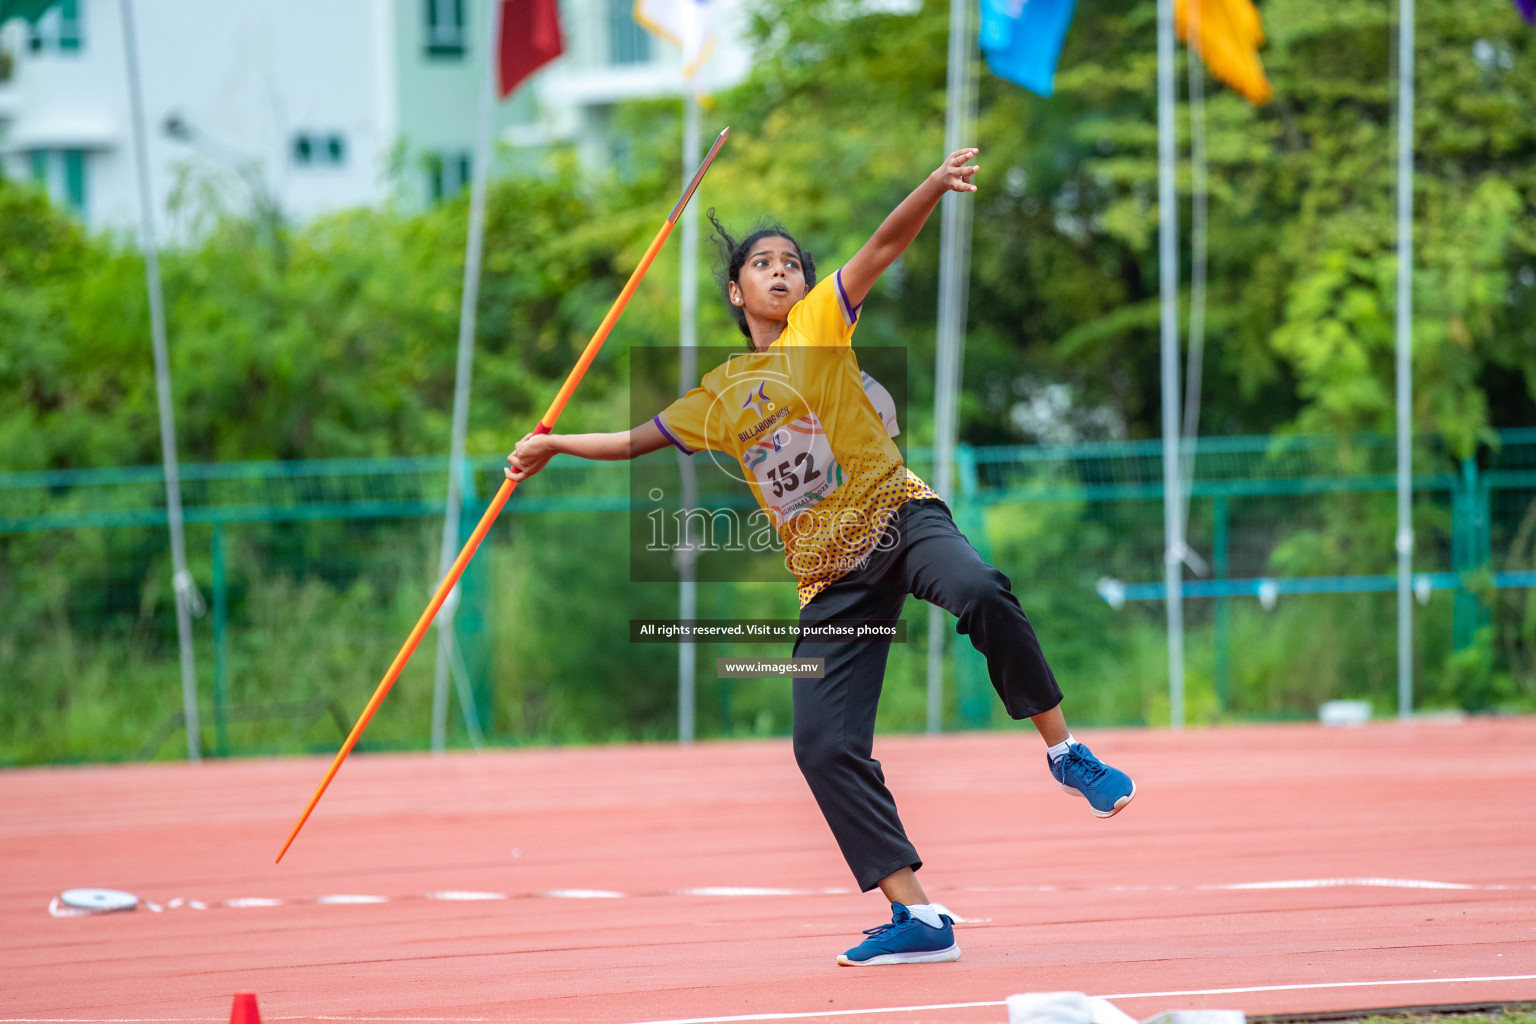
<point x="1387" y="983"/>
<point x="1122" y="995"/>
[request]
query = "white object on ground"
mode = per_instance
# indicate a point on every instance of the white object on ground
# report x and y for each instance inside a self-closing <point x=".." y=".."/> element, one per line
<point x="1066" y="1008"/>
<point x="1344" y="712"/>
<point x="1198" y="1017"/>
<point x="99" y="901"/>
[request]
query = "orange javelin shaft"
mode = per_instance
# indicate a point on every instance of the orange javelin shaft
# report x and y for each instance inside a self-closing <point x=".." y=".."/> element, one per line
<point x="546" y="424"/>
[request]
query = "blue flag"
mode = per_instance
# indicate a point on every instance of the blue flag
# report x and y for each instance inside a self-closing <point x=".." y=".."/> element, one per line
<point x="1021" y="40"/>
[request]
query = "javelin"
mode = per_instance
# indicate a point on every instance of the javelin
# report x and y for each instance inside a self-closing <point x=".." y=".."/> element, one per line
<point x="546" y="424"/>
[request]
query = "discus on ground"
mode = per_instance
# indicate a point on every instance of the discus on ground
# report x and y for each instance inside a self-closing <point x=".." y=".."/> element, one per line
<point x="99" y="901"/>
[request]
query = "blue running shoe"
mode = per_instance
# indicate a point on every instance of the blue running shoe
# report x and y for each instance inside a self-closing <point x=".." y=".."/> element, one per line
<point x="906" y="940"/>
<point x="1106" y="789"/>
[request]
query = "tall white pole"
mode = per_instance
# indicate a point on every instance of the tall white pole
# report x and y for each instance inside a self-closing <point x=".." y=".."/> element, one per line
<point x="687" y="377"/>
<point x="469" y="303"/>
<point x="1405" y="358"/>
<point x="185" y="589"/>
<point x="1168" y="273"/>
<point x="954" y="276"/>
<point x="1198" y="248"/>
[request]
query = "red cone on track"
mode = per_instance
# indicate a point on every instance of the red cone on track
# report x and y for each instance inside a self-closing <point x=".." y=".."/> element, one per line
<point x="244" y="1011"/>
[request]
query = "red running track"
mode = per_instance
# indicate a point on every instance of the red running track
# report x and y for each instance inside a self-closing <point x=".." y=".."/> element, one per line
<point x="1300" y="869"/>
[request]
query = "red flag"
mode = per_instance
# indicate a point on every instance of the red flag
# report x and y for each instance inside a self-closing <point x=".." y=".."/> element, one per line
<point x="530" y="38"/>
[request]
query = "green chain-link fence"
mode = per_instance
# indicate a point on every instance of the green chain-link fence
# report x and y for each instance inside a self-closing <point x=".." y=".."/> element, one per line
<point x="313" y="573"/>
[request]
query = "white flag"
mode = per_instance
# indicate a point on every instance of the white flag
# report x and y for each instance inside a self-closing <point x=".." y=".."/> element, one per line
<point x="686" y="24"/>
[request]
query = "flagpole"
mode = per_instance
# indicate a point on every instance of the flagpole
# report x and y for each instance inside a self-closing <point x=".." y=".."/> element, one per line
<point x="1168" y="273"/>
<point x="954" y="276"/>
<point x="687" y="377"/>
<point x="469" y="303"/>
<point x="182" y="584"/>
<point x="1404" y="358"/>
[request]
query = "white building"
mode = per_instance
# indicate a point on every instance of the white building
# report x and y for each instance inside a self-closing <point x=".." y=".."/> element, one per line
<point x="308" y="107"/>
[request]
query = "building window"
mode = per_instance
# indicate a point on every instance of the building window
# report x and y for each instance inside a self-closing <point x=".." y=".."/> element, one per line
<point x="74" y="180"/>
<point x="57" y="31"/>
<point x="445" y="28"/>
<point x="447" y="174"/>
<point x="628" y="43"/>
<point x="63" y="173"/>
<point x="316" y="149"/>
<point x="621" y="157"/>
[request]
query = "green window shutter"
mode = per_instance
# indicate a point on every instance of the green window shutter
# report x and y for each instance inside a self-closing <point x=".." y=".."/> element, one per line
<point x="39" y="158"/>
<point x="628" y="43"/>
<point x="434" y="168"/>
<point x="74" y="180"/>
<point x="445" y="28"/>
<point x="69" y="26"/>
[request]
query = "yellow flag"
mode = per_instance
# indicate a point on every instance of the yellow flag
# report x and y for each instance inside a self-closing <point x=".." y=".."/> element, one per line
<point x="1227" y="38"/>
<point x="686" y="24"/>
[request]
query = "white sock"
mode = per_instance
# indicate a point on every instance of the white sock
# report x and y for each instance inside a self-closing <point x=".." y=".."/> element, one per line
<point x="926" y="913"/>
<point x="1058" y="751"/>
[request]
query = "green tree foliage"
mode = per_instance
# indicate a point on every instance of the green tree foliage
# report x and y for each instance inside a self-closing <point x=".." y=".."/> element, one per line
<point x="344" y="346"/>
<point x="1302" y="215"/>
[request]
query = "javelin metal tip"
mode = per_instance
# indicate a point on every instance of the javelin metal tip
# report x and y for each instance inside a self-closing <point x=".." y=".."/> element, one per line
<point x="698" y="175"/>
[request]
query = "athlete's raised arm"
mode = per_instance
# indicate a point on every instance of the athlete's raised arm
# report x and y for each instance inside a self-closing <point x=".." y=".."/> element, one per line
<point x="898" y="230"/>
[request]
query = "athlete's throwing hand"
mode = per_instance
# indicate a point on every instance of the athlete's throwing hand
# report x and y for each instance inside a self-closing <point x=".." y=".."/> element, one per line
<point x="954" y="175"/>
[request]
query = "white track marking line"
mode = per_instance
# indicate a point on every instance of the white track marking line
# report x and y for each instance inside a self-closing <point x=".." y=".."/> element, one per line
<point x="809" y="1015"/>
<point x="57" y="909"/>
<point x="1322" y="985"/>
<point x="463" y="896"/>
<point x="822" y="1013"/>
<point x="1123" y="995"/>
<point x="1288" y="883"/>
<point x="1344" y="883"/>
<point x="749" y="890"/>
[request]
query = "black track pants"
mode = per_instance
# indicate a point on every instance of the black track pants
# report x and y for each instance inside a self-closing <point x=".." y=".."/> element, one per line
<point x="835" y="715"/>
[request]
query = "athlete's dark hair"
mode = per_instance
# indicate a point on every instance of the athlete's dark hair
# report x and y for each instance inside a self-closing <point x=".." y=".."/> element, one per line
<point x="733" y="255"/>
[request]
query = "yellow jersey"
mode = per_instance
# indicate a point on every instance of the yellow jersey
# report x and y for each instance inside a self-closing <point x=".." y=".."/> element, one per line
<point x="810" y="434"/>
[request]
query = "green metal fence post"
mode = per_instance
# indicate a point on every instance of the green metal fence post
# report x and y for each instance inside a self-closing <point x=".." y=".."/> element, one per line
<point x="1219" y="515"/>
<point x="973" y="691"/>
<point x="220" y="645"/>
<point x="1482" y="538"/>
<point x="469" y="619"/>
<point x="1464" y="554"/>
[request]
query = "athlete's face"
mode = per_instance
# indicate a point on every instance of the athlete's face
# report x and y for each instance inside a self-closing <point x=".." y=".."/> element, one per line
<point x="771" y="280"/>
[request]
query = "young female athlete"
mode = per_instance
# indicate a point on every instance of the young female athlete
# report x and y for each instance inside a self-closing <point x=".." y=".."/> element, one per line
<point x="795" y="420"/>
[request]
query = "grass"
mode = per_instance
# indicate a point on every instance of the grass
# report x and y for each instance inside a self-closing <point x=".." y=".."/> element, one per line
<point x="1492" y="1014"/>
